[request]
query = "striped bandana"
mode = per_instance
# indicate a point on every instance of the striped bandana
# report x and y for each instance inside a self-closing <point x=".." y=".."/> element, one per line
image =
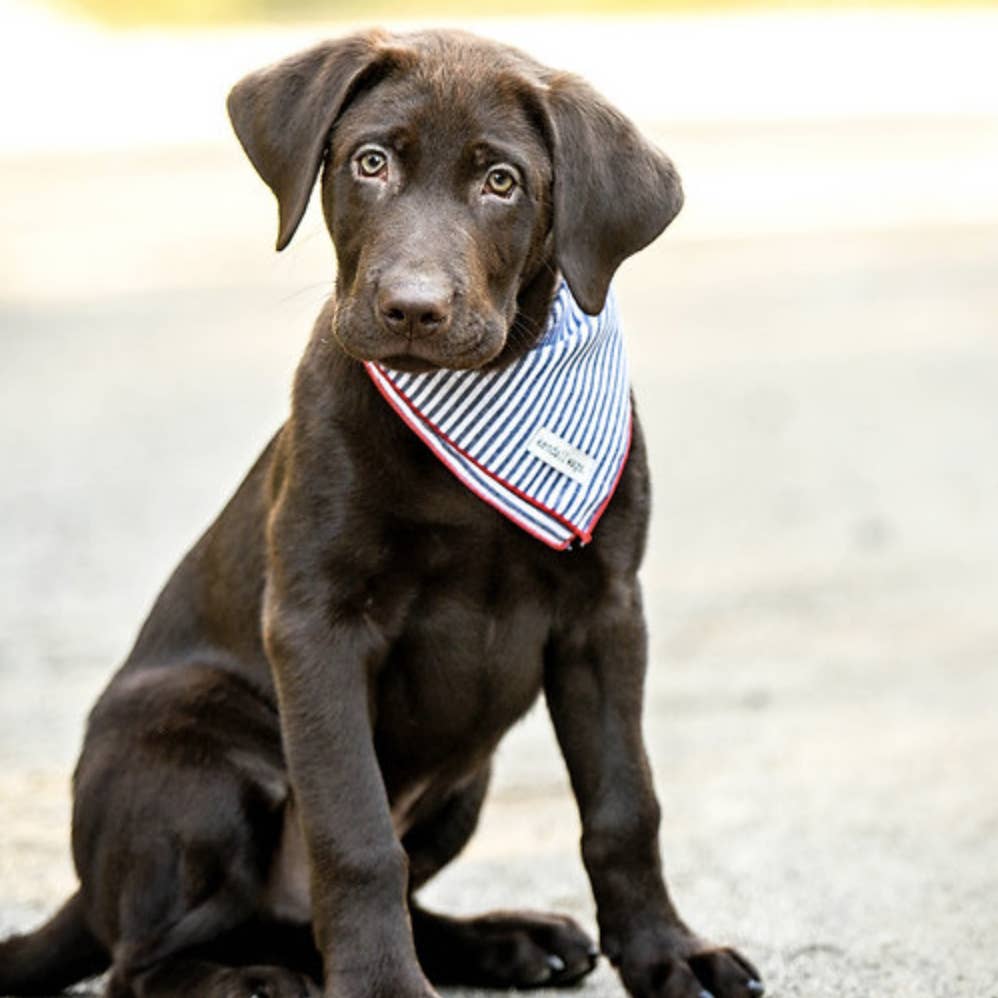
<point x="544" y="440"/>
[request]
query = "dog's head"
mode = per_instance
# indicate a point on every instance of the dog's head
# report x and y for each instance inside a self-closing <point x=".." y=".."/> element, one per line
<point x="457" y="175"/>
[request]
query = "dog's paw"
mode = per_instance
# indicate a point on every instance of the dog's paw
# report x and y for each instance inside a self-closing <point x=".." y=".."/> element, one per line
<point x="704" y="972"/>
<point x="725" y="973"/>
<point x="527" y="949"/>
<point x="263" y="982"/>
<point x="505" y="950"/>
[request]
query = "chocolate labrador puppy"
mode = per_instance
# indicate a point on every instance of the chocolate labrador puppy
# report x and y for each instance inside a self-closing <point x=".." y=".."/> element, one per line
<point x="301" y="736"/>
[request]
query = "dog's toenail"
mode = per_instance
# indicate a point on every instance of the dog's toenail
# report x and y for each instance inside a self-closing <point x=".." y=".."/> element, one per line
<point x="705" y="994"/>
<point x="593" y="951"/>
<point x="556" y="963"/>
<point x="755" y="987"/>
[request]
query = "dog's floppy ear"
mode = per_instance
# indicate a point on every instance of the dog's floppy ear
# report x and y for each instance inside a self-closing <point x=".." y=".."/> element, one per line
<point x="283" y="114"/>
<point x="614" y="192"/>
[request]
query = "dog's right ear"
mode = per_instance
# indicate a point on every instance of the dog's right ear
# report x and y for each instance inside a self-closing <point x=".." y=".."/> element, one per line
<point x="283" y="115"/>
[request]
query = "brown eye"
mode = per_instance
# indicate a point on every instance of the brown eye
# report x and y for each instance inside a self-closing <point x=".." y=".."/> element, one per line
<point x="371" y="163"/>
<point x="501" y="182"/>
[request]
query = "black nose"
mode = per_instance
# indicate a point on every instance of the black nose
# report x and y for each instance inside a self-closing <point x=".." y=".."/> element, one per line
<point x="415" y="308"/>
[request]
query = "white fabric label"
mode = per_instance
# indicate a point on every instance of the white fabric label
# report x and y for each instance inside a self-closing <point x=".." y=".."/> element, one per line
<point x="561" y="455"/>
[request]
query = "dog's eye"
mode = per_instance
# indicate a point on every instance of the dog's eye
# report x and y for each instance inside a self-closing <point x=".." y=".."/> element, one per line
<point x="371" y="163"/>
<point x="501" y="182"/>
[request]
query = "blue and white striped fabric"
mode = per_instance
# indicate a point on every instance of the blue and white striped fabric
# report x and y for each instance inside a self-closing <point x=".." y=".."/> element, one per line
<point x="544" y="440"/>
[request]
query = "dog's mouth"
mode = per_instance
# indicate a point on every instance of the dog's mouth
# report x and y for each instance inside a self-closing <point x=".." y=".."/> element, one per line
<point x="410" y="363"/>
<point x="470" y="344"/>
<point x="419" y="358"/>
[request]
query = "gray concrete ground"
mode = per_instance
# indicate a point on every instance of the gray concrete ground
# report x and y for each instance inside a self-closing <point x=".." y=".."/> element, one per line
<point x="819" y="385"/>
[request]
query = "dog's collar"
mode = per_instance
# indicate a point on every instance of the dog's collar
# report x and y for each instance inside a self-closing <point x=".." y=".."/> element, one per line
<point x="544" y="440"/>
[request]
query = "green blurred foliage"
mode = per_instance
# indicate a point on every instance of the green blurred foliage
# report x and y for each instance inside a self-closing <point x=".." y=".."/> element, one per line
<point x="214" y="12"/>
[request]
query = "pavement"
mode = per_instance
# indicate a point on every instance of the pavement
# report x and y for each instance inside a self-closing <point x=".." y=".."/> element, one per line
<point x="815" y="355"/>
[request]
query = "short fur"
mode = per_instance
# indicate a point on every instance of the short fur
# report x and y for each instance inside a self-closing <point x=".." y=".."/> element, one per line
<point x="301" y="735"/>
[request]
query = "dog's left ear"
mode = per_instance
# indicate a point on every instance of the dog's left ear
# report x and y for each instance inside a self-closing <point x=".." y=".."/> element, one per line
<point x="614" y="192"/>
<point x="283" y="115"/>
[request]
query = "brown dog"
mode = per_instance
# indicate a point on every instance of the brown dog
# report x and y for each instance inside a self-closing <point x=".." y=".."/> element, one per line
<point x="301" y="736"/>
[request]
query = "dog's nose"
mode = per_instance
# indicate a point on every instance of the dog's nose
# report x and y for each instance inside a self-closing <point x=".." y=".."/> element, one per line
<point x="415" y="308"/>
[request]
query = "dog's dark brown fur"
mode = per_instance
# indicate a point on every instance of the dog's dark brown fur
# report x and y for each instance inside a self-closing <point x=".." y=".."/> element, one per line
<point x="301" y="735"/>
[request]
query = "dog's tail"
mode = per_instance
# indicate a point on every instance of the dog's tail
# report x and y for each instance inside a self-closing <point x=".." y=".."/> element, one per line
<point x="59" y="953"/>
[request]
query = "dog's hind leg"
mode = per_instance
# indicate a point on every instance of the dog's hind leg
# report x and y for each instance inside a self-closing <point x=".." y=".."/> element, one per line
<point x="181" y="799"/>
<point x="183" y="920"/>
<point x="285" y="964"/>
<point x="499" y="950"/>
<point x="180" y="976"/>
<point x="61" y="952"/>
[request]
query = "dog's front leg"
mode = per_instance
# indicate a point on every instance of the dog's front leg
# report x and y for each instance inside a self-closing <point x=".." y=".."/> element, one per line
<point x="594" y="679"/>
<point x="323" y="662"/>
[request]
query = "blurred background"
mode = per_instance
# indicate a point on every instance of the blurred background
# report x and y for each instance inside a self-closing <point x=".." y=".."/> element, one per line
<point x="815" y="353"/>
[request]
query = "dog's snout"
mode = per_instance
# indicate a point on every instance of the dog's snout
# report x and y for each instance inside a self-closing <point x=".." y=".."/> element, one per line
<point x="415" y="307"/>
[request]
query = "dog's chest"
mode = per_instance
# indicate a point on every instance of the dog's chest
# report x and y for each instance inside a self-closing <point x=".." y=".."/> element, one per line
<point x="466" y="665"/>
